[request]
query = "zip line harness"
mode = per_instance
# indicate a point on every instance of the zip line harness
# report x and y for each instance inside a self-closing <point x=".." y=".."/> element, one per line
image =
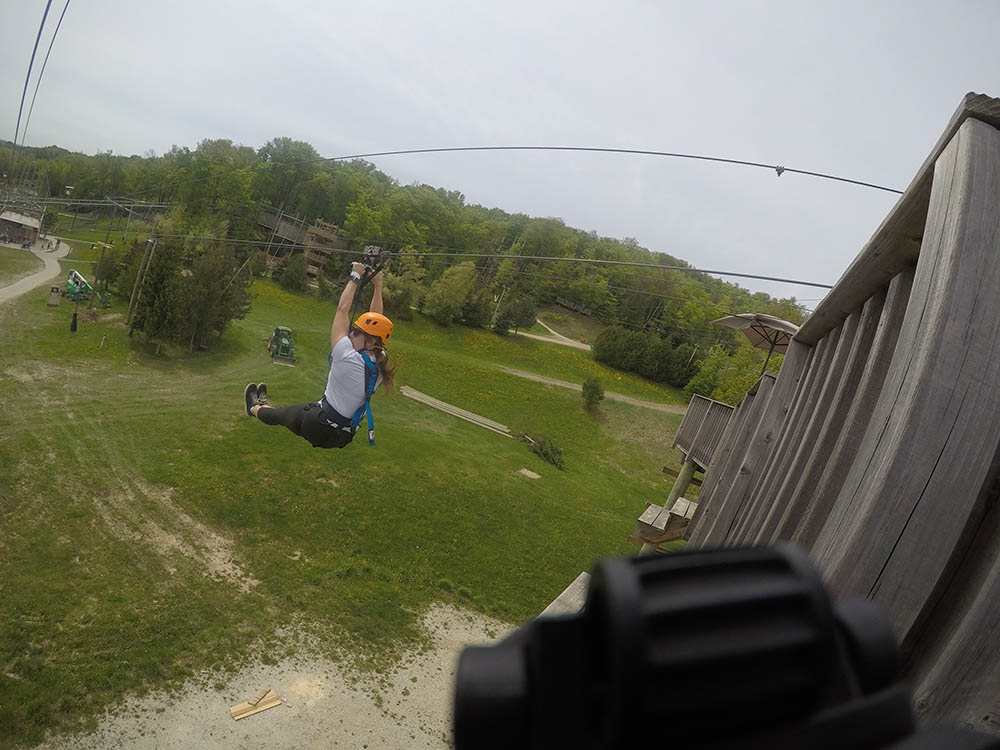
<point x="374" y="260"/>
<point x="371" y="379"/>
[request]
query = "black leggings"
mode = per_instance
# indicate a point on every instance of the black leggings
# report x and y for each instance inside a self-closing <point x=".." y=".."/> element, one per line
<point x="309" y="422"/>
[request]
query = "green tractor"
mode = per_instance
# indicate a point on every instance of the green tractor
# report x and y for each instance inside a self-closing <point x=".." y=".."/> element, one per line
<point x="282" y="346"/>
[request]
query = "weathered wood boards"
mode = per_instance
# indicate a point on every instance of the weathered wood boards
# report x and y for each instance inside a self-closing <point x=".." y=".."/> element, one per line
<point x="896" y="243"/>
<point x="918" y="479"/>
<point x="468" y="416"/>
<point x="264" y="700"/>
<point x="887" y="462"/>
<point x="730" y="495"/>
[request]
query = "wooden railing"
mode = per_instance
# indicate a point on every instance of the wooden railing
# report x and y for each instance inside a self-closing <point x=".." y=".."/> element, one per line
<point x="702" y="428"/>
<point x="877" y="447"/>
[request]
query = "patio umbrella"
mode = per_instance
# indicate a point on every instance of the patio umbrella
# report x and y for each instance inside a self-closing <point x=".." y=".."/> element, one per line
<point x="762" y="331"/>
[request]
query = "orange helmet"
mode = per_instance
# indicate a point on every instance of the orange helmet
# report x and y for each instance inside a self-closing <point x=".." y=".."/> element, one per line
<point x="375" y="324"/>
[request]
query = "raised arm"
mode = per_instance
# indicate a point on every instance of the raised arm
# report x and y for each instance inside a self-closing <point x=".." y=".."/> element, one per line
<point x="377" y="294"/>
<point x="342" y="318"/>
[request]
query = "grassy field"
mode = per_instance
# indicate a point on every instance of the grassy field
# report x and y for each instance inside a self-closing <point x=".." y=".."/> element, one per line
<point x="152" y="530"/>
<point x="16" y="264"/>
<point x="571" y="324"/>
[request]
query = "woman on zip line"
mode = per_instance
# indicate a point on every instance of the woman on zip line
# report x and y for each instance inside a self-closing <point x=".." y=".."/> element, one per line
<point x="358" y="363"/>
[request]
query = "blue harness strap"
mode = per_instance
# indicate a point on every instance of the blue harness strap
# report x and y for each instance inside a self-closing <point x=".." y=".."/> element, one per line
<point x="371" y="378"/>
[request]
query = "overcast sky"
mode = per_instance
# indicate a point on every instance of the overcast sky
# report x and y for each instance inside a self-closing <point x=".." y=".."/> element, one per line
<point x="857" y="89"/>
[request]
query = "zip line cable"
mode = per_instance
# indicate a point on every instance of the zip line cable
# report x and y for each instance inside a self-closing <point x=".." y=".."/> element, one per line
<point x="777" y="168"/>
<point x="28" y="78"/>
<point x="536" y="258"/>
<point x="41" y="73"/>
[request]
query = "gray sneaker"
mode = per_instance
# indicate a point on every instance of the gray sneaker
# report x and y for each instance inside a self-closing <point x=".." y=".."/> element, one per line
<point x="261" y="393"/>
<point x="250" y="397"/>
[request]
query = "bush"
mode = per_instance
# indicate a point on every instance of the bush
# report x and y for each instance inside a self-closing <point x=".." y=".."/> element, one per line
<point x="258" y="263"/>
<point x="504" y="322"/>
<point x="593" y="394"/>
<point x="399" y="294"/>
<point x="326" y="290"/>
<point x="545" y="448"/>
<point x="446" y="297"/>
<point x="477" y="309"/>
<point x="294" y="277"/>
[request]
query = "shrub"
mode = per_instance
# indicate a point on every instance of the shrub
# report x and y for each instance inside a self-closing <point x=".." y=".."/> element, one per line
<point x="593" y="394"/>
<point x="545" y="448"/>
<point x="477" y="309"/>
<point x="326" y="291"/>
<point x="504" y="322"/>
<point x="294" y="277"/>
<point x="446" y="297"/>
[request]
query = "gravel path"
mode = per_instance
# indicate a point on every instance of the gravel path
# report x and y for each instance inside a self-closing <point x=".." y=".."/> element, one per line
<point x="668" y="408"/>
<point x="324" y="705"/>
<point x="51" y="270"/>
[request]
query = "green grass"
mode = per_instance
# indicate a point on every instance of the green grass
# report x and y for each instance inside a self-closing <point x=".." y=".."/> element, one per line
<point x="86" y="231"/>
<point x="572" y="324"/>
<point x="16" y="264"/>
<point x="126" y="477"/>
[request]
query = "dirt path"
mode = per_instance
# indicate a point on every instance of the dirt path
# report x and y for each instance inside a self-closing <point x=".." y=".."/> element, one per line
<point x="51" y="270"/>
<point x="324" y="704"/>
<point x="555" y="338"/>
<point x="667" y="408"/>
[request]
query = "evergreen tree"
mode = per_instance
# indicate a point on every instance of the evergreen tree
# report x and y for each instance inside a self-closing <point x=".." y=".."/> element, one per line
<point x="294" y="276"/>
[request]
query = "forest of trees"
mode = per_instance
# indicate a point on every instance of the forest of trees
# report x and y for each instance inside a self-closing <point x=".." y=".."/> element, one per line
<point x="218" y="189"/>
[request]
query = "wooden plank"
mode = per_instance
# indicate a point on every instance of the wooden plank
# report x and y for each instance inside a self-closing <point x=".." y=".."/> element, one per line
<point x="788" y="435"/>
<point x="455" y="411"/>
<point x="747" y="467"/>
<point x="784" y="505"/>
<point x="660" y="522"/>
<point x="649" y="515"/>
<point x="798" y="494"/>
<point x="572" y="598"/>
<point x="955" y="664"/>
<point x="838" y="464"/>
<point x="896" y="243"/>
<point x="264" y="700"/>
<point x="732" y="447"/>
<point x="930" y="447"/>
<point x="675" y="473"/>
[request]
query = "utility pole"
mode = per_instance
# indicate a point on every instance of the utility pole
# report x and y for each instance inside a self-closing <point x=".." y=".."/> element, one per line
<point x="493" y="320"/>
<point x="274" y="231"/>
<point x="125" y="236"/>
<point x="138" y="294"/>
<point x="93" y="287"/>
<point x="111" y="220"/>
<point x="138" y="276"/>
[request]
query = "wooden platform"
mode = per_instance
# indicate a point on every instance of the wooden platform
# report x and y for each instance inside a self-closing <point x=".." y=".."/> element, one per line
<point x="657" y="524"/>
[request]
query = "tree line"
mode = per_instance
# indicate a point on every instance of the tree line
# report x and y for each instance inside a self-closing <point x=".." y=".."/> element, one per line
<point x="219" y="188"/>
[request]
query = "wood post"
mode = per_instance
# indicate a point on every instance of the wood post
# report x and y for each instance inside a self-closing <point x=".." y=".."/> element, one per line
<point x="678" y="490"/>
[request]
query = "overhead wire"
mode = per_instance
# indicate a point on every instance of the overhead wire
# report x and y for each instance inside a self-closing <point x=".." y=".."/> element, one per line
<point x="535" y="258"/>
<point x="777" y="168"/>
<point x="41" y="73"/>
<point x="27" y="78"/>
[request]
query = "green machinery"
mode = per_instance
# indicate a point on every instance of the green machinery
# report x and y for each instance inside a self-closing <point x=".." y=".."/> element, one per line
<point x="78" y="289"/>
<point x="282" y="346"/>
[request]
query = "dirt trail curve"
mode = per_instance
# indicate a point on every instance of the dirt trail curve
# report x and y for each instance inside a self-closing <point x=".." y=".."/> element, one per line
<point x="51" y="270"/>
<point x="668" y="408"/>
<point x="555" y="338"/>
